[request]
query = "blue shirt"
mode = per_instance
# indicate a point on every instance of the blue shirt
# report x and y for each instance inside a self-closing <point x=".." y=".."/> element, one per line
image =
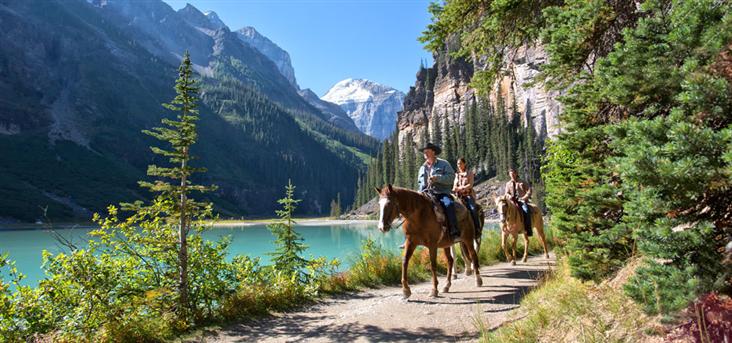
<point x="445" y="176"/>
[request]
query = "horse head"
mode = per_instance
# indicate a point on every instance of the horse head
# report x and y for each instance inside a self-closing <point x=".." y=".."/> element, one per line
<point x="388" y="207"/>
<point x="501" y="206"/>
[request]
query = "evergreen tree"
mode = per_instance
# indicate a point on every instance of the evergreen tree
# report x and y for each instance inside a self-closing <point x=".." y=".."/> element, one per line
<point x="287" y="256"/>
<point x="335" y="207"/>
<point x="181" y="135"/>
<point x="447" y="146"/>
<point x="157" y="235"/>
<point x="636" y="169"/>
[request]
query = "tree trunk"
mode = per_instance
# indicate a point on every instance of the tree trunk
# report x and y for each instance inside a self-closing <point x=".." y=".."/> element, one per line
<point x="183" y="241"/>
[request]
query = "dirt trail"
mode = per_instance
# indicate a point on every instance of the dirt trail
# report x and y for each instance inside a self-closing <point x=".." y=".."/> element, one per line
<point x="380" y="315"/>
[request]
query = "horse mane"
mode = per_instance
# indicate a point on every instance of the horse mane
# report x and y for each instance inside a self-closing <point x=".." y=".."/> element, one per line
<point x="411" y="198"/>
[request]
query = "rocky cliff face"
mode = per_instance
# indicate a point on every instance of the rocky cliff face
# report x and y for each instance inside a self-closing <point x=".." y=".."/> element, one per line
<point x="372" y="106"/>
<point x="280" y="57"/>
<point x="442" y="93"/>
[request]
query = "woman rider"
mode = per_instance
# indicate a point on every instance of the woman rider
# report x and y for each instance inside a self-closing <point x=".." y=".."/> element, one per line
<point x="463" y="188"/>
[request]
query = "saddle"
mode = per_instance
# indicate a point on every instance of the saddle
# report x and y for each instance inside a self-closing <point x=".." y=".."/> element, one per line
<point x="526" y="216"/>
<point x="461" y="211"/>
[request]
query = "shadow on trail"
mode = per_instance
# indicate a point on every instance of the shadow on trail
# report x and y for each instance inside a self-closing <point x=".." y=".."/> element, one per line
<point x="507" y="287"/>
<point x="298" y="328"/>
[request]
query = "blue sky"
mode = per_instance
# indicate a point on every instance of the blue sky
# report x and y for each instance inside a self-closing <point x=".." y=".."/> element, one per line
<point x="330" y="40"/>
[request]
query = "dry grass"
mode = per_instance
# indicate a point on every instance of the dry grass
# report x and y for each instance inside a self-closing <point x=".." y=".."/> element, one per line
<point x="564" y="309"/>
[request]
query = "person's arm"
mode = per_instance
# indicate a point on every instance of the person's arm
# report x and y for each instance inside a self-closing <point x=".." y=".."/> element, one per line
<point x="455" y="187"/>
<point x="527" y="195"/>
<point x="471" y="178"/>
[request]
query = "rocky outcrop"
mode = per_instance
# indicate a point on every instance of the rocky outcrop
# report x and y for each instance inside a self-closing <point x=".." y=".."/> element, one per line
<point x="442" y="94"/>
<point x="280" y="57"/>
<point x="372" y="106"/>
<point x="531" y="101"/>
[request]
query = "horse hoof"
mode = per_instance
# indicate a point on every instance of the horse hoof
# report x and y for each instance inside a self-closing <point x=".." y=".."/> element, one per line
<point x="433" y="294"/>
<point x="513" y="262"/>
<point x="446" y="289"/>
<point x="546" y="256"/>
<point x="468" y="272"/>
<point x="406" y="293"/>
<point x="454" y="276"/>
<point x="524" y="260"/>
<point x="479" y="281"/>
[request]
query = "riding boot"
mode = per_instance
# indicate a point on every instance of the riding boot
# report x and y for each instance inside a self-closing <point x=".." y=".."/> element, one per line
<point x="449" y="206"/>
<point x="527" y="218"/>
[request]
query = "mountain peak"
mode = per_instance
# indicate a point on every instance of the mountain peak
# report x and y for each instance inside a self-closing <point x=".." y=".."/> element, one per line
<point x="359" y="90"/>
<point x="372" y="106"/>
<point x="214" y="19"/>
<point x="279" y="56"/>
<point x="207" y="21"/>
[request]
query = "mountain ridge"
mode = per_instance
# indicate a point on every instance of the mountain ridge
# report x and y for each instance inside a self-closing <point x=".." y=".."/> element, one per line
<point x="81" y="80"/>
<point x="371" y="105"/>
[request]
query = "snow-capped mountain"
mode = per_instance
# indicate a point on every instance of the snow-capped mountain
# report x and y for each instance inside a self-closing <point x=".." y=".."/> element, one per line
<point x="372" y="106"/>
<point x="280" y="57"/>
<point x="214" y="19"/>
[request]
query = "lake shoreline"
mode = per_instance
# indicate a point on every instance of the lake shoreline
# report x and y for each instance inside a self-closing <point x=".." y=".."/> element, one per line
<point x="221" y="223"/>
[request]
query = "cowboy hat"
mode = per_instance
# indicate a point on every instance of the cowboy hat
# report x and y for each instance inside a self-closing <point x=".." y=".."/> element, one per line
<point x="433" y="147"/>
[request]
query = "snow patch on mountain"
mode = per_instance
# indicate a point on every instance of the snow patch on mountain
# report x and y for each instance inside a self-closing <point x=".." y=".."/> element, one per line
<point x="372" y="106"/>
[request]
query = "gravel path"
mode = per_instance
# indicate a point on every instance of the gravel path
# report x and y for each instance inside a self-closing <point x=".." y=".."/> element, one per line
<point x="380" y="315"/>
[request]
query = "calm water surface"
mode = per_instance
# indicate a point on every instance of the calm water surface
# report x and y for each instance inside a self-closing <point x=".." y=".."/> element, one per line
<point x="340" y="241"/>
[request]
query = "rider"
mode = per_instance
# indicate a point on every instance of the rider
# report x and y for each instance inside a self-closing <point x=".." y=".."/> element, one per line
<point x="463" y="187"/>
<point x="520" y="193"/>
<point x="435" y="178"/>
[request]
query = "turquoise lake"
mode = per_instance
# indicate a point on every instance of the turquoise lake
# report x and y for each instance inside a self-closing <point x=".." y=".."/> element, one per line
<point x="340" y="241"/>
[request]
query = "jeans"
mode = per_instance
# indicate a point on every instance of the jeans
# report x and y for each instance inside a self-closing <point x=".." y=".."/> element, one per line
<point x="449" y="206"/>
<point x="527" y="217"/>
<point x="473" y="212"/>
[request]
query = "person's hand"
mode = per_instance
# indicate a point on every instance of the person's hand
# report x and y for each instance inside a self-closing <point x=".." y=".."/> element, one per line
<point x="433" y="178"/>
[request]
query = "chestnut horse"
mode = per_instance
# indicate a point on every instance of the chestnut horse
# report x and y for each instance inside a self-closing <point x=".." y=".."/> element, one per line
<point x="512" y="223"/>
<point x="422" y="228"/>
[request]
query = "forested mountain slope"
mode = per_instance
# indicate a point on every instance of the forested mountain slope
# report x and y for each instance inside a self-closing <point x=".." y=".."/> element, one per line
<point x="81" y="80"/>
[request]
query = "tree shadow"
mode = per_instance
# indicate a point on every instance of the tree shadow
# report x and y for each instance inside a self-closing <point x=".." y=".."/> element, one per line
<point x="299" y="328"/>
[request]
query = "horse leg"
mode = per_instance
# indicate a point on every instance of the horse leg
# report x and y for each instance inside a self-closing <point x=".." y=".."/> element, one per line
<point x="542" y="237"/>
<point x="450" y="265"/>
<point x="476" y="266"/>
<point x="513" y="249"/>
<point x="467" y="259"/>
<point x="504" y="238"/>
<point x="408" y="250"/>
<point x="526" y="247"/>
<point x="454" y="265"/>
<point x="433" y="267"/>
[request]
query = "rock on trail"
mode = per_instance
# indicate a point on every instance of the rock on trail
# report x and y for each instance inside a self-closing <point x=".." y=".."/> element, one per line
<point x="381" y="315"/>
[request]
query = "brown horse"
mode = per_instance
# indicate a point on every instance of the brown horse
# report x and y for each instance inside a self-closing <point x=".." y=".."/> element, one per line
<point x="422" y="228"/>
<point x="512" y="223"/>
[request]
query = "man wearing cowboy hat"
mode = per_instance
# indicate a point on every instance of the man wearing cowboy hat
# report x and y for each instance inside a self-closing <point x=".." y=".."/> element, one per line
<point x="435" y="178"/>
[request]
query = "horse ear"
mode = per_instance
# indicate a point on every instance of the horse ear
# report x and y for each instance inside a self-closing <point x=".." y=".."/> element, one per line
<point x="390" y="188"/>
<point x="378" y="191"/>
